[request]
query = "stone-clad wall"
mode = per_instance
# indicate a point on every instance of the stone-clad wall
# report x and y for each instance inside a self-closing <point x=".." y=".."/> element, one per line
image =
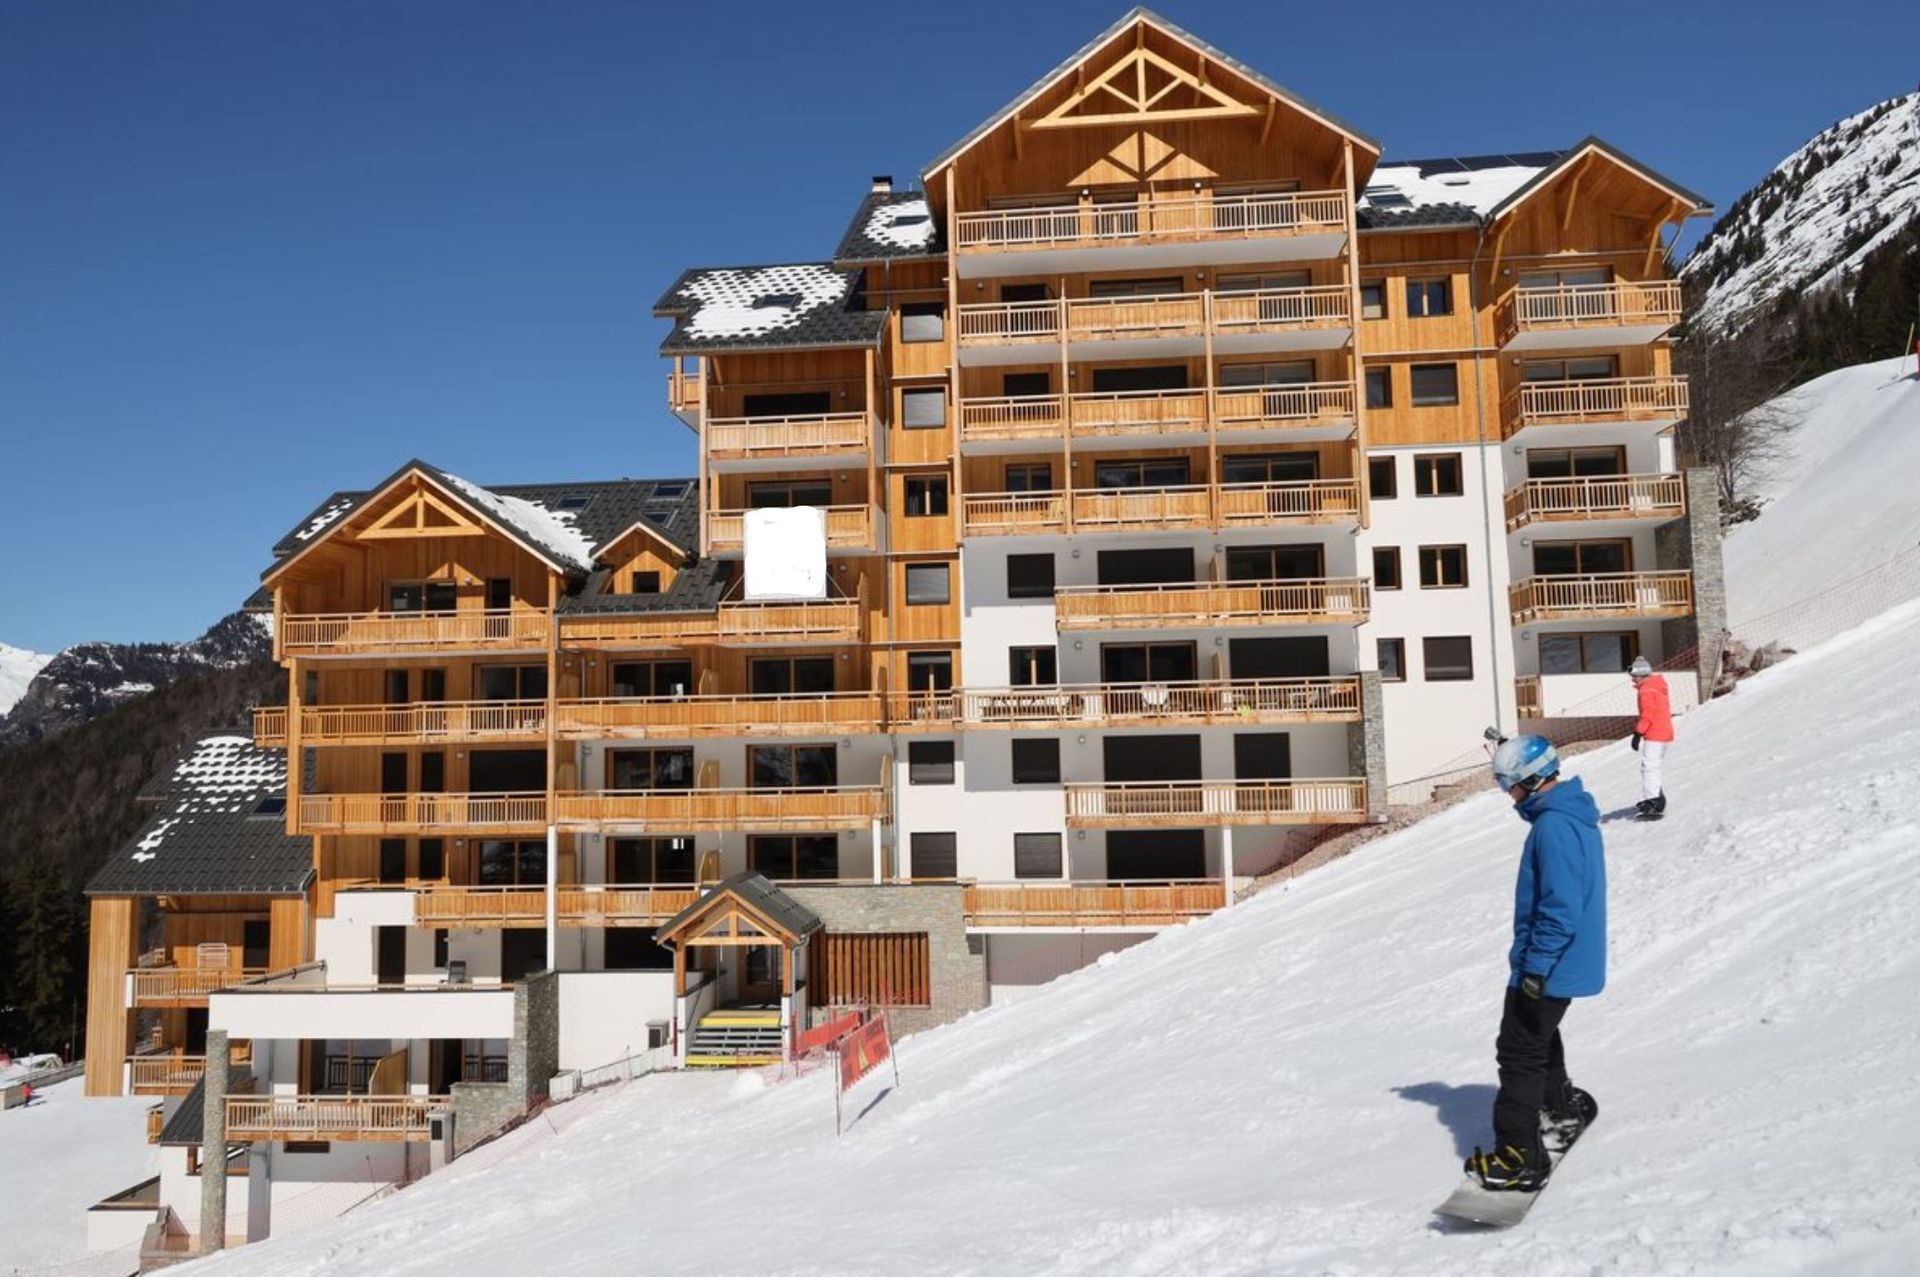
<point x="533" y="1057"/>
<point x="1694" y="543"/>
<point x="1367" y="745"/>
<point x="959" y="966"/>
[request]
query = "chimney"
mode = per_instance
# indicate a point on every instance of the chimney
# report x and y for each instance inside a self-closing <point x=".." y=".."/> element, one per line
<point x="882" y="183"/>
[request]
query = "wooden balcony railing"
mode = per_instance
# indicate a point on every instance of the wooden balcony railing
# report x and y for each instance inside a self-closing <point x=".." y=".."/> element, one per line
<point x="1084" y="319"/>
<point x="749" y="438"/>
<point x="1302" y="404"/>
<point x="379" y="813"/>
<point x="167" y="1074"/>
<point x="344" y="633"/>
<point x="724" y="810"/>
<point x="1326" y="601"/>
<point x="419" y="722"/>
<point x="1619" y="496"/>
<point x="1138" y="804"/>
<point x="270" y="727"/>
<point x="999" y="906"/>
<point x="1526" y="696"/>
<point x="1145" y="414"/>
<point x="332" y="1117"/>
<point x="1620" y="304"/>
<point x="800" y="714"/>
<point x="747" y="623"/>
<point x="1280" y="309"/>
<point x="1599" y="399"/>
<point x="1201" y="217"/>
<point x="1601" y="595"/>
<point x="1131" y="509"/>
<point x="849" y="527"/>
<point x="1290" y="501"/>
<point x="1225" y="701"/>
<point x="184" y="986"/>
<point x="575" y="906"/>
<point x="683" y="390"/>
<point x="1013" y="513"/>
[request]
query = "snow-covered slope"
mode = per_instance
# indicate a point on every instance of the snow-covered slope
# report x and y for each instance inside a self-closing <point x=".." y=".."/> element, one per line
<point x="17" y="668"/>
<point x="1819" y="213"/>
<point x="1840" y="499"/>
<point x="58" y="1157"/>
<point x="1288" y="1087"/>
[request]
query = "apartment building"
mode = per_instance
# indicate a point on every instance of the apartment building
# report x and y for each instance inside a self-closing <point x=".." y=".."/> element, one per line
<point x="1181" y="481"/>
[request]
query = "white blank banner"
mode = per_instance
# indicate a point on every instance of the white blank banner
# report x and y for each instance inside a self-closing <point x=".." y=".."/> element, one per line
<point x="787" y="554"/>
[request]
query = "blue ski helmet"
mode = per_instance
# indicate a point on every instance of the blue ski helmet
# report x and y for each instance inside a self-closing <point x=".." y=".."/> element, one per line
<point x="1525" y="760"/>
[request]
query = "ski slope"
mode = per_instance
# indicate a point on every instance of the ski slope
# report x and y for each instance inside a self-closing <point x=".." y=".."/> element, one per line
<point x="1288" y="1087"/>
<point x="1840" y="498"/>
<point x="58" y="1156"/>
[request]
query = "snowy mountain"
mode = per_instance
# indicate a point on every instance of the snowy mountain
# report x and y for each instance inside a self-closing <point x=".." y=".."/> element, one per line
<point x="1814" y="219"/>
<point x="17" y="668"/>
<point x="86" y="680"/>
<point x="1289" y="1086"/>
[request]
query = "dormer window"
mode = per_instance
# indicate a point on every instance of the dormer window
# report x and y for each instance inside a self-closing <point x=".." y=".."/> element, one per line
<point x="1387" y="197"/>
<point x="769" y="301"/>
<point x="571" y="502"/>
<point x="272" y="805"/>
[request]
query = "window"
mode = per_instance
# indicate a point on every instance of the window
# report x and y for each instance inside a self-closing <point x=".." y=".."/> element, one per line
<point x="433" y="772"/>
<point x="1587" y="653"/>
<point x="926" y="496"/>
<point x="1391" y="657"/>
<point x="511" y="682"/>
<point x="935" y="855"/>
<point x="1575" y="463"/>
<point x="1443" y="567"/>
<point x="1582" y="368"/>
<point x="923" y="409"/>
<point x="781" y="494"/>
<point x="652" y="678"/>
<point x="1033" y="666"/>
<point x="929" y="671"/>
<point x="1581" y="558"/>
<point x="1155" y="472"/>
<point x="1148" y="662"/>
<point x="1156" y="286"/>
<point x="433" y="859"/>
<point x="635" y="949"/>
<point x="930" y="762"/>
<point x="1269" y="467"/>
<point x="1373" y="299"/>
<point x="650" y="768"/>
<point x="1427" y="298"/>
<point x="1438" y="474"/>
<point x="788" y="675"/>
<point x="1036" y="761"/>
<point x="1029" y="576"/>
<point x="1448" y="660"/>
<point x="1016" y="385"/>
<point x="792" y="767"/>
<point x="1034" y="476"/>
<point x="393" y="773"/>
<point x="643" y="583"/>
<point x="1435" y="385"/>
<point x="303" y="1146"/>
<point x="1383" y="478"/>
<point x="393" y="860"/>
<point x="1293" y="372"/>
<point x="923" y="321"/>
<point x="1275" y="562"/>
<point x="1386" y="567"/>
<point x="433" y="685"/>
<point x="513" y="863"/>
<point x="651" y="860"/>
<point x="787" y="857"/>
<point x="421" y="596"/>
<point x="1263" y="283"/>
<point x="1036" y="856"/>
<point x="1379" y="387"/>
<point x="1022" y="292"/>
<point x="929" y="583"/>
<point x="440" y="948"/>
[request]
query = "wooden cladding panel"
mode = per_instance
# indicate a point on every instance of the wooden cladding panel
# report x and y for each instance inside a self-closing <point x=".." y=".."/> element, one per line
<point x="112" y="947"/>
<point x="872" y="968"/>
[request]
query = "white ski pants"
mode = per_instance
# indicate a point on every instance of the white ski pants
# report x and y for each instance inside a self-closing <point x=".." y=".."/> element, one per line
<point x="1653" y="760"/>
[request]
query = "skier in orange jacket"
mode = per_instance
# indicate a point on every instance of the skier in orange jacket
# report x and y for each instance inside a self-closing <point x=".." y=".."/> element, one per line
<point x="1652" y="733"/>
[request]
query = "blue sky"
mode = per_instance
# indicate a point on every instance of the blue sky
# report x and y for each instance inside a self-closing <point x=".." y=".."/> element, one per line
<point x="251" y="253"/>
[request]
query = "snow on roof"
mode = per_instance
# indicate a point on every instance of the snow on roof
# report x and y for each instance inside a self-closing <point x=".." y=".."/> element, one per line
<point x="908" y="224"/>
<point x="1478" y="182"/>
<point x="551" y="530"/>
<point x="751" y="301"/>
<point x="226" y="773"/>
<point x="325" y="519"/>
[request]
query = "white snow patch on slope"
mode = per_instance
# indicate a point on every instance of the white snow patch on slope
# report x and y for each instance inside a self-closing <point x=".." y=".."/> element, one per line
<point x="60" y="1156"/>
<point x="908" y="224"/>
<point x="763" y="299"/>
<point x="17" y="668"/>
<point x="552" y="530"/>
<point x="1289" y="1086"/>
<point x="1841" y="498"/>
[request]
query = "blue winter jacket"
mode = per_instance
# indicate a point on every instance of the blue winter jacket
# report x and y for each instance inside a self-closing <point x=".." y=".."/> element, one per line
<point x="1560" y="902"/>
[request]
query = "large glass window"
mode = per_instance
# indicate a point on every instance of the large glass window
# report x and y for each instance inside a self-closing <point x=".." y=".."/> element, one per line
<point x="1275" y="562"/>
<point x="421" y="596"/>
<point x="1571" y="463"/>
<point x="1029" y="476"/>
<point x="1148" y="662"/>
<point x="650" y="768"/>
<point x="1580" y="368"/>
<point x="1588" y="653"/>
<point x="793" y="766"/>
<point x="506" y="862"/>
<point x="1152" y="472"/>
<point x="929" y="671"/>
<point x="1581" y="558"/>
<point x="652" y="678"/>
<point x="1269" y="467"/>
<point x="790" y="675"/>
<point x="1036" y="856"/>
<point x="1029" y="576"/>
<point x="1292" y="372"/>
<point x="1435" y="385"/>
<point x="651" y="860"/>
<point x="1033" y="666"/>
<point x="930" y="762"/>
<point x="790" y="857"/>
<point x="1448" y="659"/>
<point x="511" y="682"/>
<point x="781" y="494"/>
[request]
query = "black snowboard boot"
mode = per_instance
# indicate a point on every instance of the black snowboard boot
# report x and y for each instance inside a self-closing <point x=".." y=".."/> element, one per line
<point x="1565" y="1117"/>
<point x="1660" y="803"/>
<point x="1509" y="1169"/>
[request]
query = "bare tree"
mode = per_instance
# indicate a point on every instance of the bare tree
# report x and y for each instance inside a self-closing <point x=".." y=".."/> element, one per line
<point x="1733" y="423"/>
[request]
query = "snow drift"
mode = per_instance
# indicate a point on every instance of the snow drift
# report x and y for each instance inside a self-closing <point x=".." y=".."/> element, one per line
<point x="1289" y="1086"/>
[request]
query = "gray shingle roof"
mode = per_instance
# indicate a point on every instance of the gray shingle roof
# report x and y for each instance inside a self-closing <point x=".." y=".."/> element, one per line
<point x="187" y="1124"/>
<point x="1426" y="217"/>
<point x="889" y="226"/>
<point x="697" y="587"/>
<point x="757" y="890"/>
<point x="804" y="305"/>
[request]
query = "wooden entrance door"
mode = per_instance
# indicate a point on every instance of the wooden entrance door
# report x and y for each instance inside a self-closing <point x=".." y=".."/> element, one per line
<point x="760" y="974"/>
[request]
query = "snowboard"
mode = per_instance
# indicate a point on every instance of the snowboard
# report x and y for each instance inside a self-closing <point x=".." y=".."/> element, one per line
<point x="1472" y="1204"/>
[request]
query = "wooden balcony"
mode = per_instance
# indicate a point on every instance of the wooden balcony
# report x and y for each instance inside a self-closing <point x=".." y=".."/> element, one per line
<point x="1654" y="498"/>
<point x="1623" y="313"/>
<point x="420" y="723"/>
<point x="849" y="530"/>
<point x="170" y="987"/>
<point x="1080" y="235"/>
<point x="1294" y="318"/>
<point x="804" y="714"/>
<point x="1158" y="509"/>
<point x="1199" y="604"/>
<point x="1224" y="702"/>
<point x="279" y="1118"/>
<point x="270" y="727"/>
<point x="421" y="813"/>
<point x="733" y="623"/>
<point x="1306" y="410"/>
<point x="683" y="390"/>
<point x="1601" y="596"/>
<point x="1186" y="803"/>
<point x="575" y="906"/>
<point x="1321" y="409"/>
<point x="168" y="1074"/>
<point x="1660" y="401"/>
<point x="1090" y="906"/>
<point x="742" y="442"/>
<point x="723" y="810"/>
<point x="1526" y="696"/>
<point x="1142" y="509"/>
<point x="376" y="633"/>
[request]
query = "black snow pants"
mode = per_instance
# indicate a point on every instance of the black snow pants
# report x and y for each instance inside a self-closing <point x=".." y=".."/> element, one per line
<point x="1533" y="1068"/>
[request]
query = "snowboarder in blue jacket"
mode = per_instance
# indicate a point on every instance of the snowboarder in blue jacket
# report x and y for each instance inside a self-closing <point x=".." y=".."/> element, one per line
<point x="1559" y="953"/>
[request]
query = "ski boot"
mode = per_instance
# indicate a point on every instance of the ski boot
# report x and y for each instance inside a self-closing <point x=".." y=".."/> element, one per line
<point x="1660" y="804"/>
<point x="1563" y="1120"/>
<point x="1509" y="1169"/>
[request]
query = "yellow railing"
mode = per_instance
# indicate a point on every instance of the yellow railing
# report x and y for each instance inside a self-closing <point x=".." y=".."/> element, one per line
<point x="739" y="438"/>
<point x="1091" y="904"/>
<point x="574" y="906"/>
<point x="831" y="712"/>
<point x="374" y="813"/>
<point x="1543" y="403"/>
<point x="1598" y="595"/>
<point x="1180" y="218"/>
<point x="346" y="632"/>
<point x="1618" y="304"/>
<point x="1218" y="802"/>
<point x="1202" y="603"/>
<point x="1137" y="413"/>
<point x="157" y="986"/>
<point x="1620" y="496"/>
<point x="332" y="1117"/>
<point x="849" y="527"/>
<point x="1226" y="701"/>
<point x="725" y="810"/>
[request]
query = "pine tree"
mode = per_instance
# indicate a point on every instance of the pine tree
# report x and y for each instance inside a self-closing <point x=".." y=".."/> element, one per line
<point x="45" y="941"/>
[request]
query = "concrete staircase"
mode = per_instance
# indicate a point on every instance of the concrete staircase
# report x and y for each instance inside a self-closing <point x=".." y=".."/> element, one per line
<point x="735" y="1039"/>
